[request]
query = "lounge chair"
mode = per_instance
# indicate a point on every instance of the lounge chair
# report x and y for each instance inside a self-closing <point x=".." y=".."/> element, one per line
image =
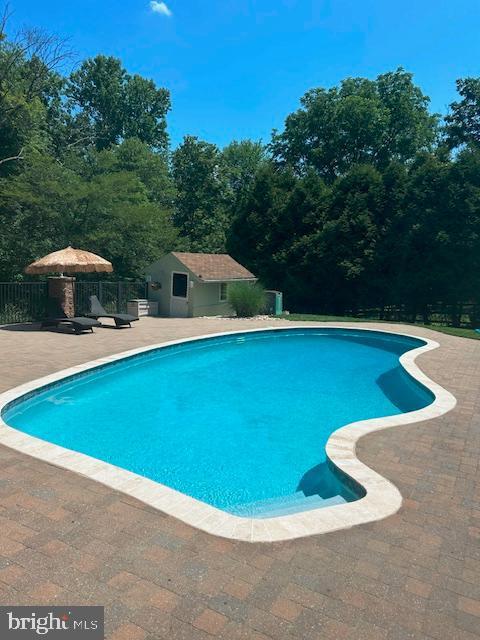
<point x="78" y="323"/>
<point x="97" y="311"/>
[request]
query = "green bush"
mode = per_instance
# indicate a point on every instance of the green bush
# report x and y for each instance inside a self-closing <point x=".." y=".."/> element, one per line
<point x="11" y="313"/>
<point x="246" y="299"/>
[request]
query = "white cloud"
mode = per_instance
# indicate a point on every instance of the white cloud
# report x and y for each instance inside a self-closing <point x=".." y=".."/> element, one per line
<point x="161" y="8"/>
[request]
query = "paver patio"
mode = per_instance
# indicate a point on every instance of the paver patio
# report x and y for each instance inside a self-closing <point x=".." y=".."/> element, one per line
<point x="65" y="539"/>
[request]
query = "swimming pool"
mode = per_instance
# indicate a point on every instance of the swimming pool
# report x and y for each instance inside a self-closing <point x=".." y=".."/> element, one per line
<point x="240" y="421"/>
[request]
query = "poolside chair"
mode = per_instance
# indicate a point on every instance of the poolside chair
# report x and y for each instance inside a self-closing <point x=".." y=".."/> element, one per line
<point x="78" y="323"/>
<point x="97" y="311"/>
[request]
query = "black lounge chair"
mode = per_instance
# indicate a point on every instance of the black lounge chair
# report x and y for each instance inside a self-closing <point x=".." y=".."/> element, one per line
<point x="97" y="311"/>
<point x="78" y="323"/>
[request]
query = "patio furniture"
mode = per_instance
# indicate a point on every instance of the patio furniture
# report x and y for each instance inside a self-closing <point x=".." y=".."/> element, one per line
<point x="79" y="324"/>
<point x="68" y="260"/>
<point x="97" y="311"/>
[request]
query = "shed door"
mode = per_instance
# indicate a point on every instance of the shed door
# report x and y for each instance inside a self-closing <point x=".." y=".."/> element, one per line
<point x="179" y="295"/>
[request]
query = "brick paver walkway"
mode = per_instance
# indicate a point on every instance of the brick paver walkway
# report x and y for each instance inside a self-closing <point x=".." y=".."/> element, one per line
<point x="65" y="539"/>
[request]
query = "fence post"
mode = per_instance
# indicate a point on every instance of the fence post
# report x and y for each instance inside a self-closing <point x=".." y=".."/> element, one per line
<point x="119" y="296"/>
<point x="100" y="291"/>
<point x="44" y="308"/>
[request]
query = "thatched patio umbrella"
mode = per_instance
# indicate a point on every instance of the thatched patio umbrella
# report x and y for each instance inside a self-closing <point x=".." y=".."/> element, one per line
<point x="67" y="260"/>
<point x="70" y="260"/>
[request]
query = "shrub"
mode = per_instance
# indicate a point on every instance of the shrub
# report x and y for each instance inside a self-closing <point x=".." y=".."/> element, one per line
<point x="11" y="313"/>
<point x="246" y="299"/>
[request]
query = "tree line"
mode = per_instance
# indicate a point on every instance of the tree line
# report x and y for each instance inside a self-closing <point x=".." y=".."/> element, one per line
<point x="365" y="198"/>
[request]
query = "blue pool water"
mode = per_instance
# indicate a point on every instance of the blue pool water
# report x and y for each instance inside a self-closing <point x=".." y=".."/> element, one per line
<point x="238" y="421"/>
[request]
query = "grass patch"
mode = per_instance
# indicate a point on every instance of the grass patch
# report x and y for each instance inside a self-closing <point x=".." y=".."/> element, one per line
<point x="452" y="331"/>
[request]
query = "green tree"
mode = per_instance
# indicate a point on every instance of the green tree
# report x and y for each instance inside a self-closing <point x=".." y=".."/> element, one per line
<point x="441" y="241"/>
<point x="201" y="202"/>
<point x="339" y="254"/>
<point x="48" y="206"/>
<point x="385" y="275"/>
<point x="120" y="222"/>
<point x="252" y="236"/>
<point x="39" y="210"/>
<point x="241" y="160"/>
<point x="271" y="230"/>
<point x="361" y="121"/>
<point x="463" y="121"/>
<point x="109" y="105"/>
<point x="135" y="157"/>
<point x="29" y="88"/>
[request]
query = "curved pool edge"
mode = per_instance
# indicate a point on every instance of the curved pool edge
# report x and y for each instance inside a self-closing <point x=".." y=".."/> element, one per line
<point x="381" y="500"/>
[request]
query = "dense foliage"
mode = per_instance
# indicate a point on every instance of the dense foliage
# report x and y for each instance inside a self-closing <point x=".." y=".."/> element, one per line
<point x="361" y="121"/>
<point x="365" y="199"/>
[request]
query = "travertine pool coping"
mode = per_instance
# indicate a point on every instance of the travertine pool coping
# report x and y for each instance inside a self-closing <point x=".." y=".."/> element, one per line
<point x="381" y="499"/>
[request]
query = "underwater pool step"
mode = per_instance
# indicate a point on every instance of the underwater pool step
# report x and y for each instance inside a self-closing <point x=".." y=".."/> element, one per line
<point x="284" y="505"/>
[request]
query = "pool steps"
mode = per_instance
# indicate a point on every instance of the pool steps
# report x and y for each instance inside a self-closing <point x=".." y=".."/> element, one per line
<point x="284" y="505"/>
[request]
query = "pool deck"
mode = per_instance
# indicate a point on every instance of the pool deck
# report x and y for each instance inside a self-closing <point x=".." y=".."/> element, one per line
<point x="65" y="539"/>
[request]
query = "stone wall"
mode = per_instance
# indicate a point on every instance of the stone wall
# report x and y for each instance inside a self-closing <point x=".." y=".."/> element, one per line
<point x="62" y="291"/>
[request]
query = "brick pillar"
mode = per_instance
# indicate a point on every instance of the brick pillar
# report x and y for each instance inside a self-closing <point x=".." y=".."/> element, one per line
<point x="62" y="290"/>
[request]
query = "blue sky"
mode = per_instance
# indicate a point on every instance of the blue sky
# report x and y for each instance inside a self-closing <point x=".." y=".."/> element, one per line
<point x="235" y="68"/>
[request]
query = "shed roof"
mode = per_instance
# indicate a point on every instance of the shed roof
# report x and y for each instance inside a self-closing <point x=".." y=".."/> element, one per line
<point x="214" y="267"/>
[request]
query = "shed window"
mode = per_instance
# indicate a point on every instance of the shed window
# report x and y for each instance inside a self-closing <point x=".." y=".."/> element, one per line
<point x="179" y="285"/>
<point x="223" y="291"/>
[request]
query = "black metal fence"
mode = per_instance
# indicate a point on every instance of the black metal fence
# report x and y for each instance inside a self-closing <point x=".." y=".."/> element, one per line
<point x="22" y="301"/>
<point x="460" y="314"/>
<point x="28" y="301"/>
<point x="112" y="295"/>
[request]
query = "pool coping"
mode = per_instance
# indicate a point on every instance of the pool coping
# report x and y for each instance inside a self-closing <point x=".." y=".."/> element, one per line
<point x="382" y="498"/>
